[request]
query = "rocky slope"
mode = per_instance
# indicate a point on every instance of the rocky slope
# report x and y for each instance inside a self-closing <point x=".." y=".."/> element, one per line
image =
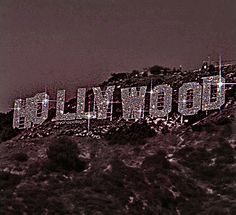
<point x="185" y="168"/>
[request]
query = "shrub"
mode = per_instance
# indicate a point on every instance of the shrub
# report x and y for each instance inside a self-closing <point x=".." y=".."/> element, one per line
<point x="6" y="130"/>
<point x="8" y="180"/>
<point x="134" y="134"/>
<point x="224" y="121"/>
<point x="157" y="161"/>
<point x="21" y="156"/>
<point x="63" y="154"/>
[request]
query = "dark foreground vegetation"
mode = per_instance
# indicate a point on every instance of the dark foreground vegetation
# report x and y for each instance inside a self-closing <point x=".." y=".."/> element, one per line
<point x="63" y="155"/>
<point x="134" y="134"/>
<point x="6" y="130"/>
<point x="194" y="176"/>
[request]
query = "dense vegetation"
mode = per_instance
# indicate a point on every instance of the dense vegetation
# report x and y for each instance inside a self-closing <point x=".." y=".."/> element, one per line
<point x="134" y="134"/>
<point x="63" y="154"/>
<point x="6" y="130"/>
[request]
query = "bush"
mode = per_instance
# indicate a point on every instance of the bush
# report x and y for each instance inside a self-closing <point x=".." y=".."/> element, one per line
<point x="63" y="154"/>
<point x="8" y="180"/>
<point x="6" y="130"/>
<point x="21" y="156"/>
<point x="134" y="134"/>
<point x="157" y="161"/>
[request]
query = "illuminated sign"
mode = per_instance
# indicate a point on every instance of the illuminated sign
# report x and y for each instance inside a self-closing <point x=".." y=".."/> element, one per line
<point x="192" y="97"/>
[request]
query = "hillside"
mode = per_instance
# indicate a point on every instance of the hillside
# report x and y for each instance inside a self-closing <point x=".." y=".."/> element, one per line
<point x="148" y="167"/>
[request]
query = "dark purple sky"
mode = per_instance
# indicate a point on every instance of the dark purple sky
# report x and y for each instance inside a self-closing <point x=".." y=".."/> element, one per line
<point x="66" y="44"/>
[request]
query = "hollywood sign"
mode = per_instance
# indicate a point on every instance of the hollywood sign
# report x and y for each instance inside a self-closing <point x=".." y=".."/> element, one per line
<point x="192" y="97"/>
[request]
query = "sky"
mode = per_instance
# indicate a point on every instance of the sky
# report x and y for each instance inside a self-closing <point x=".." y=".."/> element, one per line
<point x="67" y="44"/>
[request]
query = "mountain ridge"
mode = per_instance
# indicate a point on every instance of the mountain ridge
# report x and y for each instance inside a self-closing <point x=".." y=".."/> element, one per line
<point x="181" y="168"/>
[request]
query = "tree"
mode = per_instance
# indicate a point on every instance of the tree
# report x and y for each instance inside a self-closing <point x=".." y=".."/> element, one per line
<point x="63" y="154"/>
